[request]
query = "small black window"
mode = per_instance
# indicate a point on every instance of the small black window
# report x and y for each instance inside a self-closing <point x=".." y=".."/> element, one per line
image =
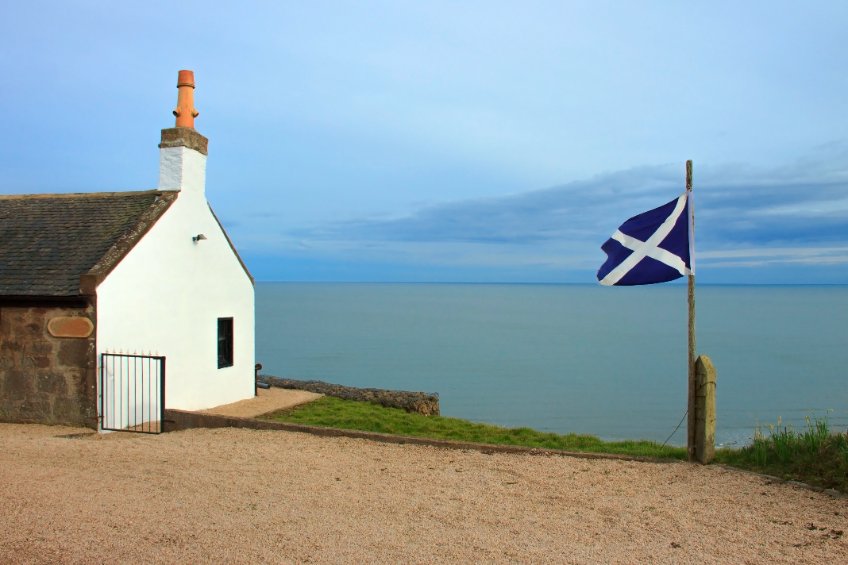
<point x="225" y="342"/>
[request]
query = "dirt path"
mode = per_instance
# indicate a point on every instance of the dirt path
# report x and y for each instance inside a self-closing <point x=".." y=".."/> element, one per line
<point x="267" y="400"/>
<point x="245" y="496"/>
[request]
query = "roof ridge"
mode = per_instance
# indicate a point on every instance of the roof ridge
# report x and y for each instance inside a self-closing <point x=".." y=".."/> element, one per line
<point x="35" y="196"/>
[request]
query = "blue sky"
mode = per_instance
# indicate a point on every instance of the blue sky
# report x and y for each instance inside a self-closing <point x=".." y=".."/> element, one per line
<point x="453" y="141"/>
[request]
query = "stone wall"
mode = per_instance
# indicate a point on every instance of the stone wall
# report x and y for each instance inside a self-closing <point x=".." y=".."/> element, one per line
<point x="420" y="402"/>
<point x="45" y="378"/>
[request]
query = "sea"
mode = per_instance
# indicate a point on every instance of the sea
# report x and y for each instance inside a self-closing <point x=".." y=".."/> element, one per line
<point x="609" y="362"/>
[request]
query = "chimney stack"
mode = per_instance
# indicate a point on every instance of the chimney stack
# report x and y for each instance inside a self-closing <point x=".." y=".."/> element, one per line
<point x="185" y="111"/>
<point x="182" y="150"/>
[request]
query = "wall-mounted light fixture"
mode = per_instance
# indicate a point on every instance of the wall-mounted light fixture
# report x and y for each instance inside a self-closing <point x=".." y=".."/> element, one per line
<point x="198" y="237"/>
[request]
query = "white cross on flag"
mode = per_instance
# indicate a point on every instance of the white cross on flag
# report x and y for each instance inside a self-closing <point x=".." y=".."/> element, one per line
<point x="652" y="247"/>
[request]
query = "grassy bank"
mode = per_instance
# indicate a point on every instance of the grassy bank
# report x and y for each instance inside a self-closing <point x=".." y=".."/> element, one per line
<point x="351" y="415"/>
<point x="814" y="456"/>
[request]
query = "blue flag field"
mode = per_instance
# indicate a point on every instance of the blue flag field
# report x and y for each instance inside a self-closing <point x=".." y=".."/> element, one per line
<point x="652" y="247"/>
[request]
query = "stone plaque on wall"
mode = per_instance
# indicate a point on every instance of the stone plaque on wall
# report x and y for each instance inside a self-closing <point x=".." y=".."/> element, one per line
<point x="70" y="326"/>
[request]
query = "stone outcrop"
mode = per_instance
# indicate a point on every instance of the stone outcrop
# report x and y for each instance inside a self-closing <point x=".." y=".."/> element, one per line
<point x="417" y="402"/>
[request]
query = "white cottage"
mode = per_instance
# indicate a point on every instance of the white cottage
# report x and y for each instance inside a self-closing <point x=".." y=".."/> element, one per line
<point x="102" y="286"/>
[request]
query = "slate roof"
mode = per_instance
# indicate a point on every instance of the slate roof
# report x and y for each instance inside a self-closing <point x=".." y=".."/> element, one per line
<point x="49" y="241"/>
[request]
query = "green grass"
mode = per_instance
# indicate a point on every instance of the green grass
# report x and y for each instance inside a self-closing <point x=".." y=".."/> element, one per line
<point x="814" y="455"/>
<point x="350" y="415"/>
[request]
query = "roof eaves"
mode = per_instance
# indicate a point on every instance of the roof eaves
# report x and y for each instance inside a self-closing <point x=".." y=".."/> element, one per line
<point x="233" y="247"/>
<point x="128" y="240"/>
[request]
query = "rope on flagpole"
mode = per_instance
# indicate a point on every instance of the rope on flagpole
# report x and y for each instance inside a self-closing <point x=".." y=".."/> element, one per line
<point x="680" y="423"/>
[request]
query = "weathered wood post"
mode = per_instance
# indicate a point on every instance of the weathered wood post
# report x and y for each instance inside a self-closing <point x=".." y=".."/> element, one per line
<point x="705" y="410"/>
<point x="690" y="358"/>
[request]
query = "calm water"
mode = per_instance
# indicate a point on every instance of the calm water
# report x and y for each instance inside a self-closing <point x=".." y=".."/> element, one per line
<point x="569" y="358"/>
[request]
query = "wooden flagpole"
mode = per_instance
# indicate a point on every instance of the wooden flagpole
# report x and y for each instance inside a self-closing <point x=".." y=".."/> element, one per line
<point x="691" y="423"/>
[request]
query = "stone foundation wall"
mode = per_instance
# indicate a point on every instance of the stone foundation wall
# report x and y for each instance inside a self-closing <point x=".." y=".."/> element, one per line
<point x="44" y="378"/>
<point x="420" y="402"/>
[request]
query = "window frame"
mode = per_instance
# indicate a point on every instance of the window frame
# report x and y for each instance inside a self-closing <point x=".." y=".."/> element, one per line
<point x="225" y="342"/>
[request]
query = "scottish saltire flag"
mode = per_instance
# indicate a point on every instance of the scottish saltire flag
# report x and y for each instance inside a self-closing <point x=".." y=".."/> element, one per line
<point x="652" y="247"/>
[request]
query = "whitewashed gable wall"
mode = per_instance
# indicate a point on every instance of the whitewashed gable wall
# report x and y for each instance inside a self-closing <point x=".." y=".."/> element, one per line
<point x="166" y="296"/>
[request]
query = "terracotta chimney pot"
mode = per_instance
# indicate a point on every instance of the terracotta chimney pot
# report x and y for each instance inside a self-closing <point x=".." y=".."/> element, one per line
<point x="185" y="111"/>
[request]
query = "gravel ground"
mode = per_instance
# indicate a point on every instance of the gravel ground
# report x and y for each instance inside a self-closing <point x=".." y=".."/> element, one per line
<point x="244" y="496"/>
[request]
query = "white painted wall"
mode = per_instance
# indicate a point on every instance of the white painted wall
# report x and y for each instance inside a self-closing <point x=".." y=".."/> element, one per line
<point x="166" y="295"/>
